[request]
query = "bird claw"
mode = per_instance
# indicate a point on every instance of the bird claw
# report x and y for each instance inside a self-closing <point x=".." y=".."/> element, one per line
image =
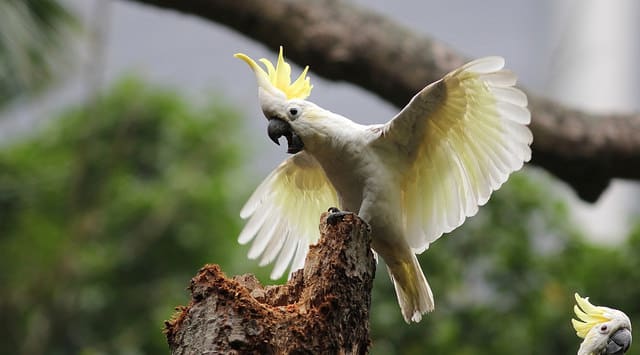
<point x="335" y="215"/>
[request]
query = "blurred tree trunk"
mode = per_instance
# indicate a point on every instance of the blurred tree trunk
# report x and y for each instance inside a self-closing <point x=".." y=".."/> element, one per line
<point x="323" y="309"/>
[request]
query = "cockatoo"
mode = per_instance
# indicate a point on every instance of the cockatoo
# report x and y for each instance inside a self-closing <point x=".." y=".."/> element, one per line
<point x="412" y="179"/>
<point x="605" y="330"/>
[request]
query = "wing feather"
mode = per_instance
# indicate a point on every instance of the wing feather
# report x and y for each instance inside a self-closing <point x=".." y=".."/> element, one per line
<point x="253" y="226"/>
<point x="275" y="244"/>
<point x="285" y="256"/>
<point x="283" y="213"/>
<point x="501" y="78"/>
<point x="465" y="135"/>
<point x="511" y="95"/>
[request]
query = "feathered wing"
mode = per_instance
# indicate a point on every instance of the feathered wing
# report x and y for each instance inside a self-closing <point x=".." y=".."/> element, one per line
<point x="284" y="213"/>
<point x="462" y="136"/>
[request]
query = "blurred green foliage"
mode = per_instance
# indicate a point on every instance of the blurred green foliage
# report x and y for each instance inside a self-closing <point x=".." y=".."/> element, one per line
<point x="106" y="215"/>
<point x="34" y="46"/>
<point x="504" y="281"/>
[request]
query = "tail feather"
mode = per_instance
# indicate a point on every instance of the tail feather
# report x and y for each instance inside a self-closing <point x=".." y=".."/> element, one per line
<point x="414" y="294"/>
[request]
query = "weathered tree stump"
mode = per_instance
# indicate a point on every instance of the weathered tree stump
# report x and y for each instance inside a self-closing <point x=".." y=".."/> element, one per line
<point x="323" y="309"/>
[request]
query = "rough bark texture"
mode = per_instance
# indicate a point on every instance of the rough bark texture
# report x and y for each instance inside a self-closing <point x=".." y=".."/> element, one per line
<point x="323" y="309"/>
<point x="341" y="41"/>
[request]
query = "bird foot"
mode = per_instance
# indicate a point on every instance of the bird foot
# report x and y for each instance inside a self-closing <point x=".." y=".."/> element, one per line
<point x="335" y="215"/>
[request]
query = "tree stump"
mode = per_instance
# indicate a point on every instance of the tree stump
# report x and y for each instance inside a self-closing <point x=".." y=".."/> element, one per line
<point x="323" y="309"/>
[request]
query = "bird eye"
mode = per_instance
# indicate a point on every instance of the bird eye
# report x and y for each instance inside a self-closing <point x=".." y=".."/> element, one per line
<point x="294" y="111"/>
<point x="603" y="328"/>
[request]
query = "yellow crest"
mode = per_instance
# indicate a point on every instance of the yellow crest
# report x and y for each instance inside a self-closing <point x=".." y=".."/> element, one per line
<point x="589" y="315"/>
<point x="280" y="76"/>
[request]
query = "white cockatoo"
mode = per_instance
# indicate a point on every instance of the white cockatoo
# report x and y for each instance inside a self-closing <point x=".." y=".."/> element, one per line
<point x="606" y="331"/>
<point x="412" y="179"/>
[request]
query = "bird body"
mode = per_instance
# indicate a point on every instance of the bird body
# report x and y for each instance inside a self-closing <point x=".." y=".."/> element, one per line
<point x="412" y="179"/>
<point x="368" y="178"/>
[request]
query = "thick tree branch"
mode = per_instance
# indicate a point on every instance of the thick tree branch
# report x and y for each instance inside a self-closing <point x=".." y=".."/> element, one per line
<point x="343" y="42"/>
<point x="323" y="309"/>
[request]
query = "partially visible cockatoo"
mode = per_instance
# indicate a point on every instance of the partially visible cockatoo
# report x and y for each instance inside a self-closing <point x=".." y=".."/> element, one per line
<point x="412" y="179"/>
<point x="605" y="330"/>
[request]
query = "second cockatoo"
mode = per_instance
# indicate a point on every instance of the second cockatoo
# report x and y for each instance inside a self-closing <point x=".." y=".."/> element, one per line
<point x="606" y="331"/>
<point x="412" y="179"/>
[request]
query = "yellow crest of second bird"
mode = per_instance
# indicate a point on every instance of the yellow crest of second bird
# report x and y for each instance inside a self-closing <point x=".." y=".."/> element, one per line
<point x="588" y="314"/>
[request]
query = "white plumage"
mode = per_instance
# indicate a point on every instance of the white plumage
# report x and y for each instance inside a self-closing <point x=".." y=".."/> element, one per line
<point x="606" y="331"/>
<point x="412" y="179"/>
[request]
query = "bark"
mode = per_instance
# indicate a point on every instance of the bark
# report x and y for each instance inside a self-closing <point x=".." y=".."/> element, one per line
<point x="341" y="41"/>
<point x="323" y="309"/>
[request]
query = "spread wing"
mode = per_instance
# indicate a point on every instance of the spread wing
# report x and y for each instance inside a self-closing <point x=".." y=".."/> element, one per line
<point x="462" y="136"/>
<point x="284" y="213"/>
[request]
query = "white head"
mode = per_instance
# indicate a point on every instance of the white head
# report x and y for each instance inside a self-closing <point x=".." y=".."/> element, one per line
<point x="605" y="330"/>
<point x="283" y="102"/>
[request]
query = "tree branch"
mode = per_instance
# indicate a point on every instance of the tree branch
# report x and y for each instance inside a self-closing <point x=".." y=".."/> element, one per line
<point x="341" y="41"/>
<point x="323" y="309"/>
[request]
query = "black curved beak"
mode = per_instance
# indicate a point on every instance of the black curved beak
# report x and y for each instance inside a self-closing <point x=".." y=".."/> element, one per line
<point x="278" y="128"/>
<point x="619" y="342"/>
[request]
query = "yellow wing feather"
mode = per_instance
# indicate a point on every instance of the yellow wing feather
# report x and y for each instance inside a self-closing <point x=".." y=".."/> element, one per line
<point x="463" y="135"/>
<point x="284" y="213"/>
